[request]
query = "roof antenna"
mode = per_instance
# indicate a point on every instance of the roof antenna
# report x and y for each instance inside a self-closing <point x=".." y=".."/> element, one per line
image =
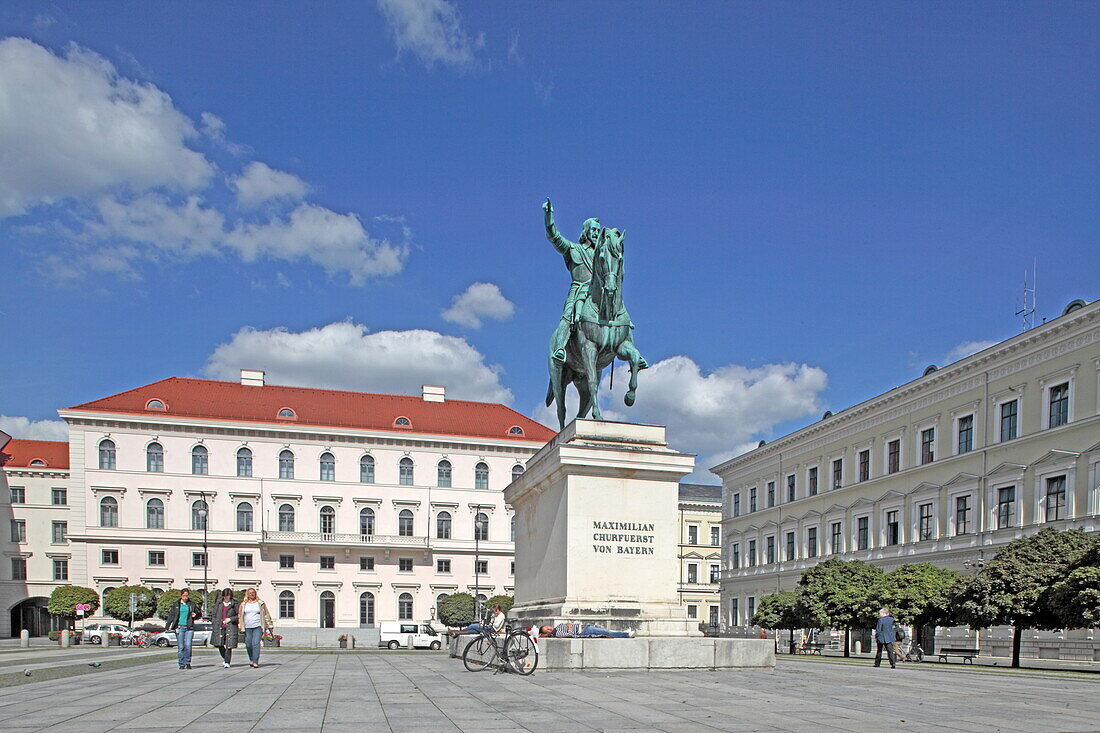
<point x="1027" y="311"/>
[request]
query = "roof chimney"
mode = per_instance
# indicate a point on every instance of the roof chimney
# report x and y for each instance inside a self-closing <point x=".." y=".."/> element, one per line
<point x="252" y="377"/>
<point x="431" y="393"/>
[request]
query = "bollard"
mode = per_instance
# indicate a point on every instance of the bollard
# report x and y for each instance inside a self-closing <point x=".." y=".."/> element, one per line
<point x="24" y="638"/>
<point x="65" y="639"/>
<point x="352" y="640"/>
<point x="859" y="647"/>
<point x="313" y="641"/>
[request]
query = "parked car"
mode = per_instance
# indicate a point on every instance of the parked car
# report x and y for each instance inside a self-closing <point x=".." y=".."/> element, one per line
<point x="396" y="634"/>
<point x="202" y="636"/>
<point x="95" y="633"/>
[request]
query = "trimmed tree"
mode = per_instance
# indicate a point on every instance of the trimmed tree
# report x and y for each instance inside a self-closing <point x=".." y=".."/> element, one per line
<point x="1075" y="601"/>
<point x="841" y="594"/>
<point x="1013" y="588"/>
<point x="456" y="610"/>
<point x="919" y="594"/>
<point x="780" y="610"/>
<point x="116" y="604"/>
<point x="169" y="597"/>
<point x="64" y="599"/>
<point x="505" y="602"/>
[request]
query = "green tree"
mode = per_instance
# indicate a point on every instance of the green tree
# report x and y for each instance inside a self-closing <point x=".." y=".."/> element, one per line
<point x="169" y="597"/>
<point x="64" y="599"/>
<point x="456" y="610"/>
<point x="505" y="602"/>
<point x="919" y="594"/>
<point x="1075" y="601"/>
<point x="841" y="594"/>
<point x="782" y="610"/>
<point x="116" y="604"/>
<point x="1013" y="588"/>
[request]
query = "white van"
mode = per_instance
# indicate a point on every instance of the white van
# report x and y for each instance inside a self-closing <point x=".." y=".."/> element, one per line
<point x="396" y="634"/>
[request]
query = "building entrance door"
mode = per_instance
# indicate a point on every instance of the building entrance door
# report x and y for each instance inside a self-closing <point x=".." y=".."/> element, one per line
<point x="328" y="610"/>
<point x="32" y="615"/>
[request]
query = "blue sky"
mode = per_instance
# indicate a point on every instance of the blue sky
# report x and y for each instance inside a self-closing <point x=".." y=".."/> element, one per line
<point x="820" y="199"/>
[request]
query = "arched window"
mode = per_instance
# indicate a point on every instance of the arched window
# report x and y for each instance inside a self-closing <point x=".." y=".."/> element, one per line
<point x="405" y="607"/>
<point x="512" y="528"/>
<point x="405" y="472"/>
<point x="154" y="405"/>
<point x="328" y="610"/>
<point x="154" y="458"/>
<point x="481" y="526"/>
<point x="481" y="476"/>
<point x="244" y="517"/>
<point x="443" y="474"/>
<point x="438" y="601"/>
<point x="286" y="604"/>
<point x="287" y="414"/>
<point x="244" y="462"/>
<point x="328" y="467"/>
<point x="200" y="515"/>
<point x="517" y="471"/>
<point x="366" y="469"/>
<point x="405" y="523"/>
<point x="108" y="512"/>
<point x="402" y="422"/>
<point x="366" y="609"/>
<point x="200" y="460"/>
<point x="154" y="514"/>
<point x="366" y="521"/>
<point x="103" y="597"/>
<point x="107" y="454"/>
<point x="443" y="525"/>
<point x="286" y="464"/>
<point x="37" y="462"/>
<point x="328" y="520"/>
<point x="286" y="518"/>
<point x="515" y="430"/>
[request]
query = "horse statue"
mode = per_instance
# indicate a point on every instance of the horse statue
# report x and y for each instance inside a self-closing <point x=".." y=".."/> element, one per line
<point x="601" y="331"/>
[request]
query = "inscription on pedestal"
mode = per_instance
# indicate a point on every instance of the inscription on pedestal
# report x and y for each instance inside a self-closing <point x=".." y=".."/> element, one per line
<point x="622" y="538"/>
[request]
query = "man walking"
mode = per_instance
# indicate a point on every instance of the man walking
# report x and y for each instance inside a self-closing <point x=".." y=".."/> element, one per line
<point x="885" y="635"/>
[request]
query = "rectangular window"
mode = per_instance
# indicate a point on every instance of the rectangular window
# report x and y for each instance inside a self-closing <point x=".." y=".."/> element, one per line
<point x="752" y="500"/>
<point x="926" y="526"/>
<point x="59" y="497"/>
<point x="18" y="494"/>
<point x="693" y="573"/>
<point x="836" y="539"/>
<point x="752" y="607"/>
<point x="1009" y="427"/>
<point x="770" y="549"/>
<point x="791" y="488"/>
<point x="405" y="564"/>
<point x="198" y="559"/>
<point x="443" y="566"/>
<point x="771" y="494"/>
<point x="328" y="562"/>
<point x="715" y="572"/>
<point x="19" y="568"/>
<point x="109" y="557"/>
<point x="366" y="563"/>
<point x="735" y="555"/>
<point x="60" y="569"/>
<point x="1059" y="405"/>
<point x="752" y="553"/>
<point x="790" y="546"/>
<point x="864" y="465"/>
<point x="811" y="481"/>
<point x="18" y="530"/>
<point x="286" y="562"/>
<point x="838" y="471"/>
<point x="1006" y="507"/>
<point x="736" y="505"/>
<point x="863" y="534"/>
<point x="966" y="434"/>
<point x="715" y="536"/>
<point x="893" y="528"/>
<point x="1056" y="499"/>
<point x="893" y="456"/>
<point x="927" y="445"/>
<point x="60" y="533"/>
<point x="156" y="558"/>
<point x="811" y="542"/>
<point x="735" y="612"/>
<point x="244" y="560"/>
<point x="482" y="567"/>
<point x="693" y="534"/>
<point x="962" y="515"/>
<point x="512" y="568"/>
<point x="693" y="611"/>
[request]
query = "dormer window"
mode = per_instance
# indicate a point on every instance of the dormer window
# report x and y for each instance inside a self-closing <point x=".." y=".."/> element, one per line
<point x="287" y="414"/>
<point x="402" y="422"/>
<point x="37" y="462"/>
<point x="515" y="430"/>
<point x="155" y="405"/>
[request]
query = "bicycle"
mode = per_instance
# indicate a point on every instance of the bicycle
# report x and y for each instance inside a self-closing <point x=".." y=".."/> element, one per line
<point x="516" y="652"/>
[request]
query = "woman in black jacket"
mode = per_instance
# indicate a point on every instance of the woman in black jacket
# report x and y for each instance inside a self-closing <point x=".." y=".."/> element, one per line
<point x="223" y="618"/>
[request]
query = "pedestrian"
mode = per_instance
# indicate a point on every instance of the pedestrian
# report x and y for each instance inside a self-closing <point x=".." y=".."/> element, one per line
<point x="181" y="619"/>
<point x="899" y="637"/>
<point x="885" y="635"/>
<point x="253" y="620"/>
<point x="224" y="633"/>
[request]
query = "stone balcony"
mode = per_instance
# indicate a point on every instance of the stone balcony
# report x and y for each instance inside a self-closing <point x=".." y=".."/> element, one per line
<point x="343" y="539"/>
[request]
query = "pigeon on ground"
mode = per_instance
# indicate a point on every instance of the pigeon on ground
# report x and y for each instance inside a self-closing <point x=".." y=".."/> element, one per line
<point x="94" y="664"/>
<point x="27" y="672"/>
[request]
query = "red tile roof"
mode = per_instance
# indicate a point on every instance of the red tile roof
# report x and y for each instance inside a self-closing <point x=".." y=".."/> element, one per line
<point x="213" y="400"/>
<point x="53" y="453"/>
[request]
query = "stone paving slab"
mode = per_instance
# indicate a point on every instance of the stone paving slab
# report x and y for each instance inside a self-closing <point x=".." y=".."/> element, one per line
<point x="430" y="692"/>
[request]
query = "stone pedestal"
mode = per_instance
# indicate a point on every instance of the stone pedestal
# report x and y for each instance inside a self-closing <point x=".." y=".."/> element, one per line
<point x="597" y="530"/>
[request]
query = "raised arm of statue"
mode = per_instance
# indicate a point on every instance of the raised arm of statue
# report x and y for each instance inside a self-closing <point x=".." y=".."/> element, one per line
<point x="560" y="243"/>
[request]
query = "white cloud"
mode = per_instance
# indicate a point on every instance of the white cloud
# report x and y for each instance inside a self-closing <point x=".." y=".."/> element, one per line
<point x="965" y="349"/>
<point x="477" y="302"/>
<point x="259" y="183"/>
<point x="432" y="31"/>
<point x="345" y="355"/>
<point x="70" y="126"/>
<point x="21" y="427"/>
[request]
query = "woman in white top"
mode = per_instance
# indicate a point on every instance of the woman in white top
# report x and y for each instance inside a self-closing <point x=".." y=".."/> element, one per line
<point x="253" y="619"/>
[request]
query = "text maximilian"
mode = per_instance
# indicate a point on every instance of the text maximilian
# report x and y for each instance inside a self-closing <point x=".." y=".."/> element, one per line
<point x="627" y="526"/>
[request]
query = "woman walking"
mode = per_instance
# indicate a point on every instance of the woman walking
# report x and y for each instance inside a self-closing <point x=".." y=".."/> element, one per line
<point x="181" y="619"/>
<point x="253" y="620"/>
<point x="224" y="633"/>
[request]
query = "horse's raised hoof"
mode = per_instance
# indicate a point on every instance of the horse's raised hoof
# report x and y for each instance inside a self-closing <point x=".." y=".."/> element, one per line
<point x="629" y="398"/>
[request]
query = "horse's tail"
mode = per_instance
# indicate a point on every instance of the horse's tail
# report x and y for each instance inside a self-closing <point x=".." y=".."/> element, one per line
<point x="550" y="393"/>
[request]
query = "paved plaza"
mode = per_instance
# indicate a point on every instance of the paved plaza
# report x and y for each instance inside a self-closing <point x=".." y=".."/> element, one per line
<point x="430" y="692"/>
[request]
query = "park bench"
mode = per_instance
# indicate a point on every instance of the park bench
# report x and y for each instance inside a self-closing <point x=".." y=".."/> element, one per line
<point x="965" y="653"/>
<point x="812" y="647"/>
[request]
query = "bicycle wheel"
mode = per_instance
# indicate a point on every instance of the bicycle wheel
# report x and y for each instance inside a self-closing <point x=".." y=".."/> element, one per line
<point x="521" y="653"/>
<point x="479" y="654"/>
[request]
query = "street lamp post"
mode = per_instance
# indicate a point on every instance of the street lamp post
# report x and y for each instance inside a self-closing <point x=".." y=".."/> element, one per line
<point x="477" y="563"/>
<point x="203" y="512"/>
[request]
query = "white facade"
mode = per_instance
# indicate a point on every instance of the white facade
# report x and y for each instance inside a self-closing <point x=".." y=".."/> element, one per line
<point x="700" y="553"/>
